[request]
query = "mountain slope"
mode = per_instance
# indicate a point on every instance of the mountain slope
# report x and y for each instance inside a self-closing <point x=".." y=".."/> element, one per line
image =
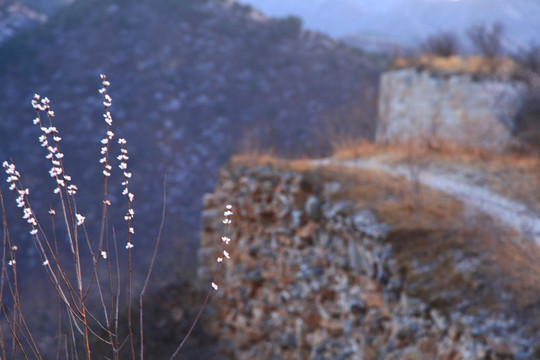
<point x="15" y="16"/>
<point x="190" y="80"/>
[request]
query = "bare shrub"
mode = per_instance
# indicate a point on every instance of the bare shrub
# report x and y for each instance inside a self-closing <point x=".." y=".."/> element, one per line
<point x="349" y="125"/>
<point x="414" y="163"/>
<point x="528" y="117"/>
<point x="529" y="58"/>
<point x="443" y="44"/>
<point x="91" y="278"/>
<point x="487" y="39"/>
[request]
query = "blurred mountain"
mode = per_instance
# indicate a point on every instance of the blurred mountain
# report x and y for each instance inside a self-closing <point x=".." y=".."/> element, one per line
<point x="19" y="15"/>
<point x="16" y="16"/>
<point x="410" y="21"/>
<point x="192" y="82"/>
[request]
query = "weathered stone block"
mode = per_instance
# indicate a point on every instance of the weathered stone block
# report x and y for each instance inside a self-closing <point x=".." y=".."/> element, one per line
<point x="420" y="107"/>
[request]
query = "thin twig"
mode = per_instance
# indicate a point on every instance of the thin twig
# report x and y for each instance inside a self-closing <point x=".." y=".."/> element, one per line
<point x="225" y="238"/>
<point x="146" y="282"/>
<point x="193" y="325"/>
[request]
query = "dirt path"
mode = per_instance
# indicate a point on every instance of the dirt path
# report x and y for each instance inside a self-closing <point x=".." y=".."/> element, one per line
<point x="509" y="212"/>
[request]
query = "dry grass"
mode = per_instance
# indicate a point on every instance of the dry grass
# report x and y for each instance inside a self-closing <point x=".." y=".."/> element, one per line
<point x="447" y="255"/>
<point x="513" y="175"/>
<point x="400" y="151"/>
<point x="459" y="64"/>
<point x="439" y="233"/>
<point x="271" y="160"/>
<point x="516" y="176"/>
<point x="391" y="197"/>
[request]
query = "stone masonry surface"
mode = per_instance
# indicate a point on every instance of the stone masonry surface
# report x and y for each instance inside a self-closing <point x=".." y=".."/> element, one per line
<point x="422" y="107"/>
<point x="311" y="277"/>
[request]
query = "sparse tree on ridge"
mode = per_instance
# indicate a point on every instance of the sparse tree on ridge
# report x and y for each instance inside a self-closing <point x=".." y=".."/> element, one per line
<point x="487" y="39"/>
<point x="443" y="44"/>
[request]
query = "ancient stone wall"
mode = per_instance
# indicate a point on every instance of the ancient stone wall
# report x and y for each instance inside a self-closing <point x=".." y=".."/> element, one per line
<point x="312" y="277"/>
<point x="430" y="107"/>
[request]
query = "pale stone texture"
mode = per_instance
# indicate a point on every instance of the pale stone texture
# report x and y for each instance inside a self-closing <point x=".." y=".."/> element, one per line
<point x="429" y="108"/>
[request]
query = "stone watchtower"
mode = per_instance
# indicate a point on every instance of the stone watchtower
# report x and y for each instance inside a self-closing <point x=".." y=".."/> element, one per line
<point x="455" y="101"/>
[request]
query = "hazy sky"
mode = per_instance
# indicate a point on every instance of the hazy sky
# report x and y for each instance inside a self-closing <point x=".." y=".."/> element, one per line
<point x="410" y="20"/>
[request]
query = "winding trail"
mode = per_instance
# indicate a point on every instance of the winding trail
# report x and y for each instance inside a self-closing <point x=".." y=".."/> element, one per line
<point x="509" y="212"/>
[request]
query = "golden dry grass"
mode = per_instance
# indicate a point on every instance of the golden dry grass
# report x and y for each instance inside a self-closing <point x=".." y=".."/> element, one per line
<point x="459" y="64"/>
<point x="393" y="199"/>
<point x="513" y="175"/>
<point x="268" y="159"/>
<point x="438" y="231"/>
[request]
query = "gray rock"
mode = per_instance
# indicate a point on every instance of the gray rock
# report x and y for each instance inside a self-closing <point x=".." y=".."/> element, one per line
<point x="313" y="208"/>
<point x="341" y="208"/>
<point x="366" y="222"/>
<point x="439" y="319"/>
<point x="209" y="219"/>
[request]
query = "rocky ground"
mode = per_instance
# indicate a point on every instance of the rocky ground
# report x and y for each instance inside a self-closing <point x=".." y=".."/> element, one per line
<point x="329" y="263"/>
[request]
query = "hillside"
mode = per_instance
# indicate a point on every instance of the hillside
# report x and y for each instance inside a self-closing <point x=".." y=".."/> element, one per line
<point x="16" y="16"/>
<point x="192" y="81"/>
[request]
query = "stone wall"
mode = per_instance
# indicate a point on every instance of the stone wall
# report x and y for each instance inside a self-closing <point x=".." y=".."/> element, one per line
<point x="429" y="107"/>
<point x="311" y="276"/>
